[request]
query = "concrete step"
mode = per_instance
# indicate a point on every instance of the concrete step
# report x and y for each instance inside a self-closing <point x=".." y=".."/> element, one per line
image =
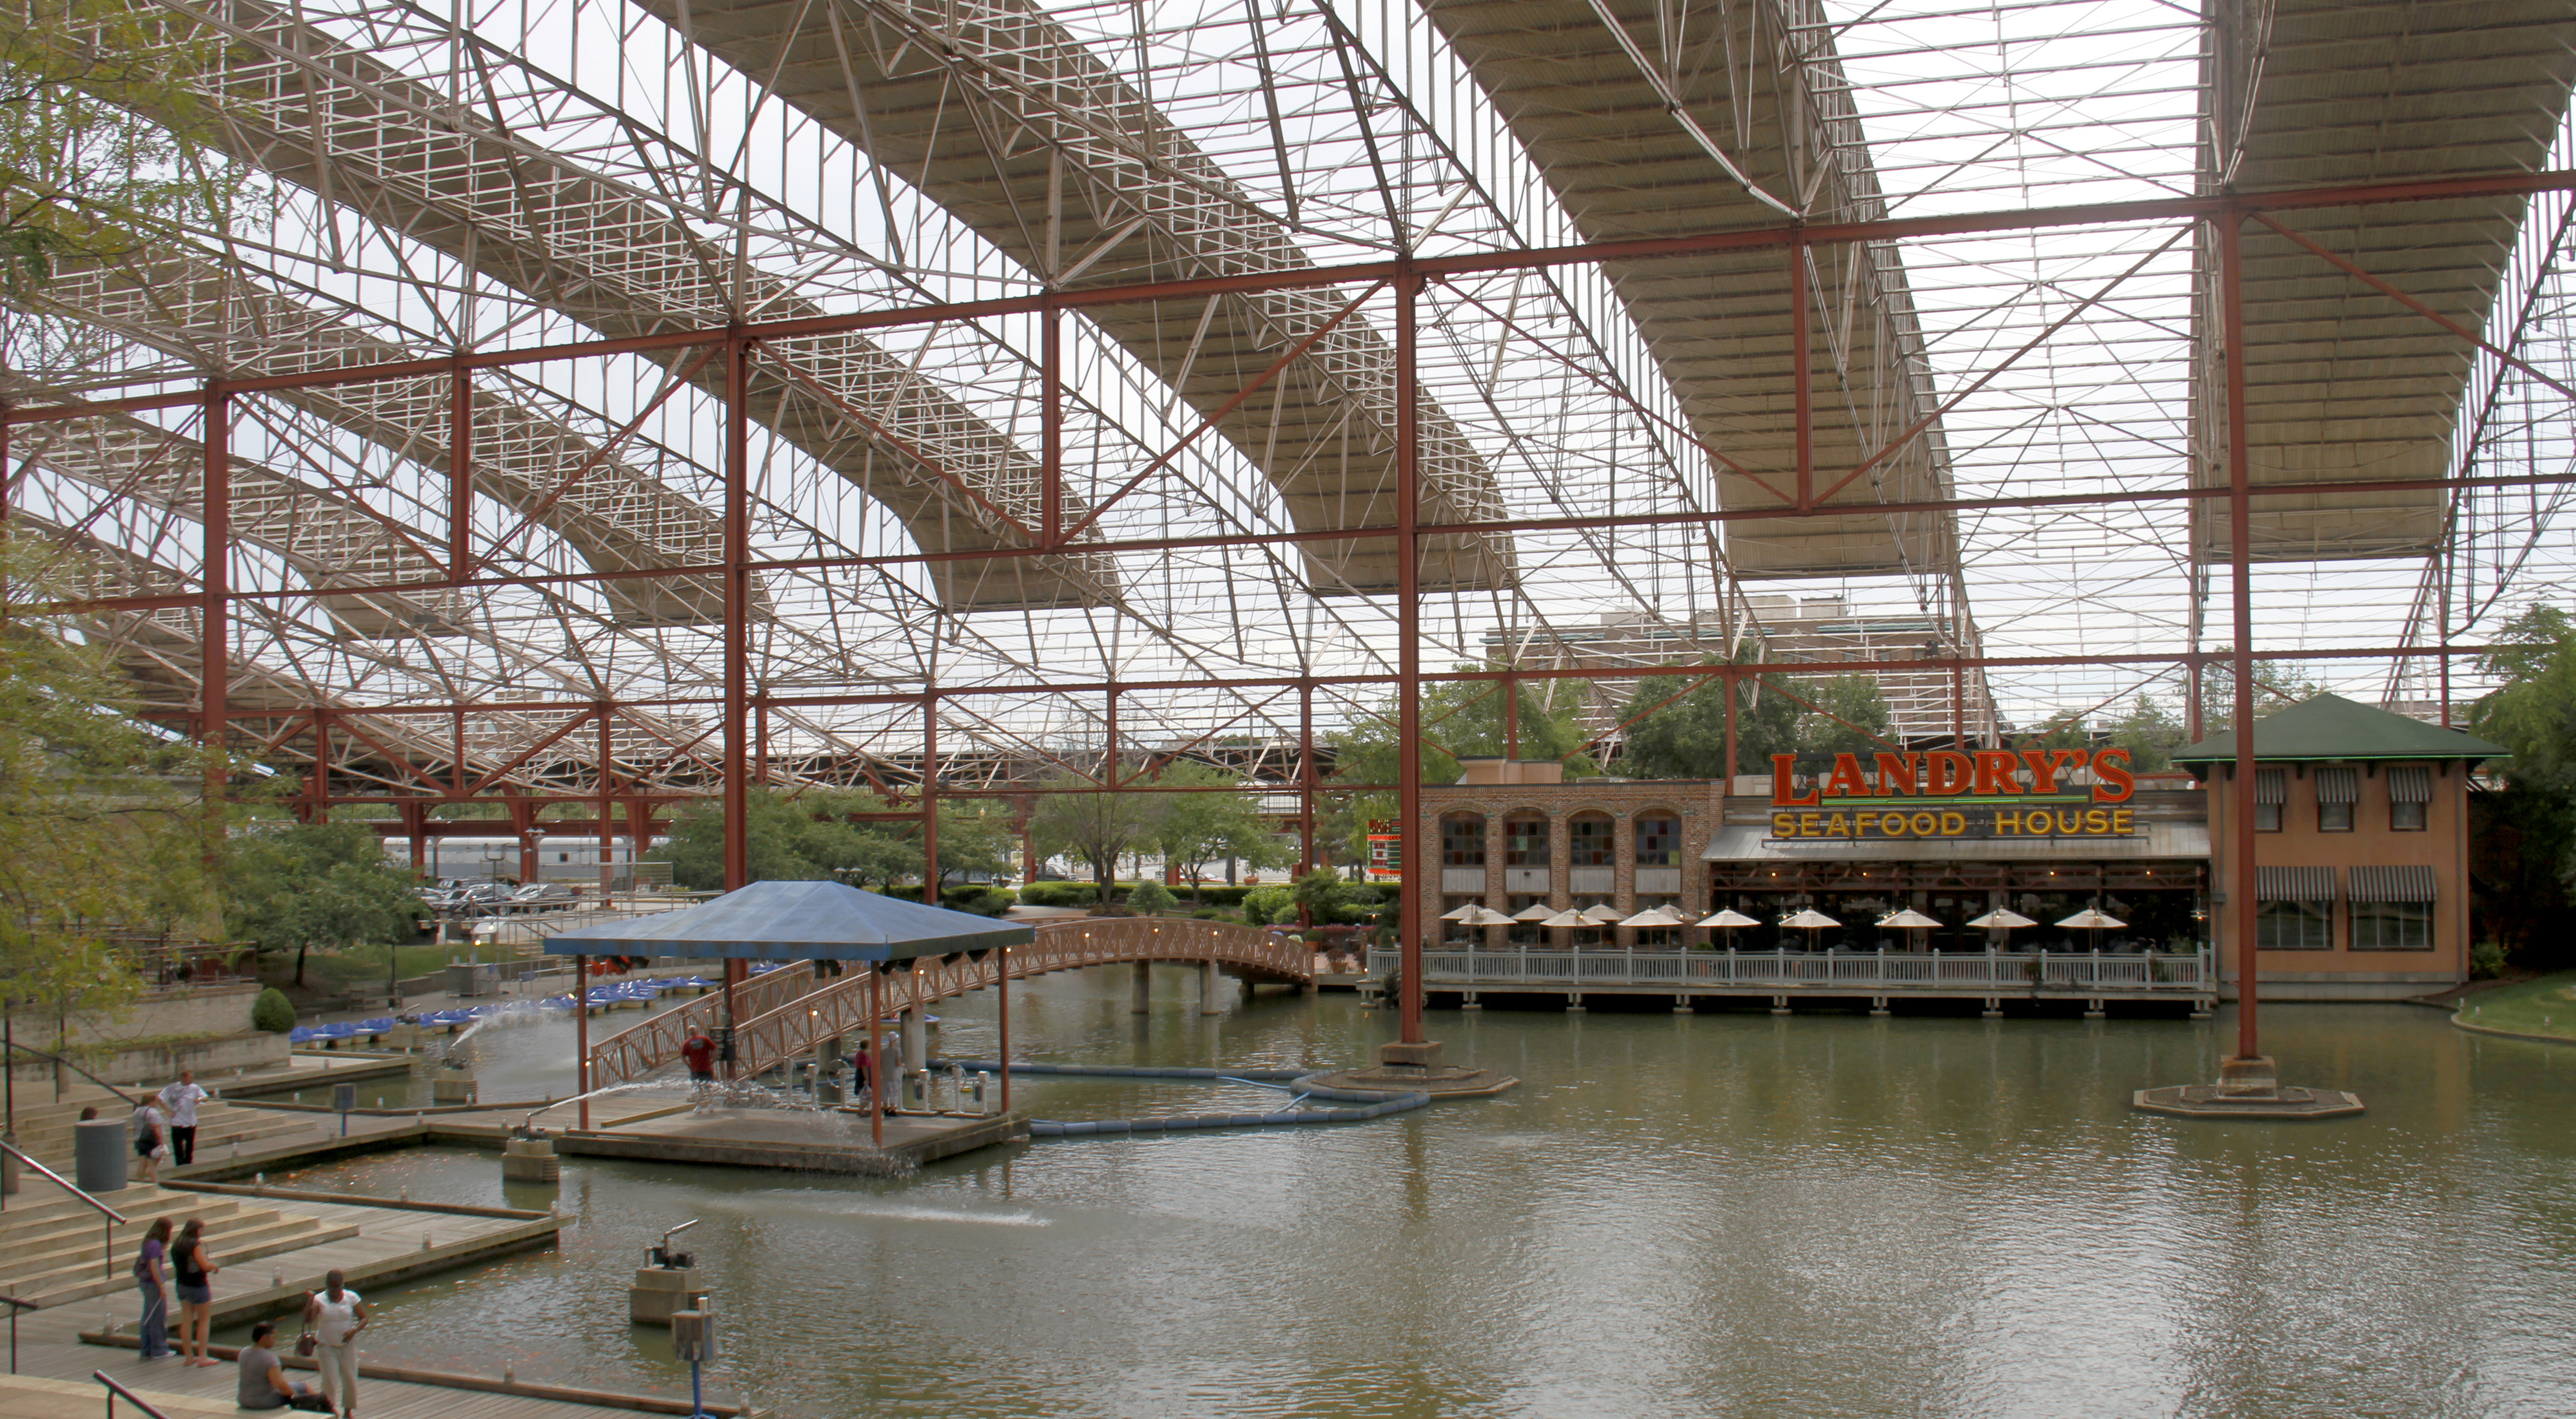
<point x="216" y="1128"/>
<point x="40" y="1206"/>
<point x="74" y="1274"/>
<point x="26" y="1247"/>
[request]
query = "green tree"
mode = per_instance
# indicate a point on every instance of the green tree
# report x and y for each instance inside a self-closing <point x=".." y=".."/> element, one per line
<point x="973" y="837"/>
<point x="2533" y="713"/>
<point x="316" y="884"/>
<point x="1092" y="825"/>
<point x="1687" y="737"/>
<point x="102" y="821"/>
<point x="806" y="838"/>
<point x="2150" y="732"/>
<point x="1200" y="829"/>
<point x="1151" y="897"/>
<point x="1460" y="719"/>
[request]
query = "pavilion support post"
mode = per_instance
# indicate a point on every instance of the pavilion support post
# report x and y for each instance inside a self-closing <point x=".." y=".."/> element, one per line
<point x="1801" y="374"/>
<point x="581" y="1033"/>
<point x="1305" y="792"/>
<point x="1408" y="611"/>
<point x="1734" y="688"/>
<point x="607" y="832"/>
<point x="1002" y="994"/>
<point x="876" y="1054"/>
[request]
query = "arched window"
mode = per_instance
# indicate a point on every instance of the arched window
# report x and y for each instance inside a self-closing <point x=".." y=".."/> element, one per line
<point x="1525" y="841"/>
<point x="1659" y="839"/>
<point x="1462" y="840"/>
<point x="1590" y="841"/>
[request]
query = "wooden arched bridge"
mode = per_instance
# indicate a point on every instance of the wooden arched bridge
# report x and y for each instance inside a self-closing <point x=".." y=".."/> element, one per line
<point x="781" y="1013"/>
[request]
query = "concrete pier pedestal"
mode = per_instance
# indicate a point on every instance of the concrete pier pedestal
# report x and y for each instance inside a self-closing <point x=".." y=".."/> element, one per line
<point x="530" y="1160"/>
<point x="1143" y="1001"/>
<point x="1211" y="990"/>
<point x="661" y="1291"/>
<point x="1420" y="1067"/>
<point x="2247" y="1087"/>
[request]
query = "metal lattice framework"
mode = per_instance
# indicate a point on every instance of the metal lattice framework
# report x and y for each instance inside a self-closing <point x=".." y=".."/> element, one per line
<point x="625" y="401"/>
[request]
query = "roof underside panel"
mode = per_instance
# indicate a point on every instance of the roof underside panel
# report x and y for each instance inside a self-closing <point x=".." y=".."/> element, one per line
<point x="2342" y="382"/>
<point x="973" y="104"/>
<point x="1610" y="125"/>
<point x="623" y="268"/>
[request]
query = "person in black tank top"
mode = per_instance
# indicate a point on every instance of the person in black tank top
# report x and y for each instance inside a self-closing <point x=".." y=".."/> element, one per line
<point x="193" y="1272"/>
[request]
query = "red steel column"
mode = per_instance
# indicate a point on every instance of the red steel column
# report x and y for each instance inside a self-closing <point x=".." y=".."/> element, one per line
<point x="737" y="643"/>
<point x="2240" y="531"/>
<point x="1305" y="781"/>
<point x="607" y="781"/>
<point x="1734" y="688"/>
<point x="1050" y="427"/>
<point x="1804" y="385"/>
<point x="1408" y="633"/>
<point x="929" y="800"/>
<point x="214" y="629"/>
<point x="460" y="476"/>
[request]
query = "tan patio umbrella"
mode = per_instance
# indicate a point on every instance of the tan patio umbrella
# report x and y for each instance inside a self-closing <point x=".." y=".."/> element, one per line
<point x="1654" y="916"/>
<point x="2093" y="920"/>
<point x="1566" y="918"/>
<point x="1535" y="911"/>
<point x="1909" y="919"/>
<point x="1462" y="913"/>
<point x="1729" y="919"/>
<point x="1999" y="917"/>
<point x="1602" y="914"/>
<point x="1811" y="921"/>
<point x="1487" y="916"/>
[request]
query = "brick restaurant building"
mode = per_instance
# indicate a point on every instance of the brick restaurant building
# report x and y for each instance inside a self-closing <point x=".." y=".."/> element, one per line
<point x="2361" y="853"/>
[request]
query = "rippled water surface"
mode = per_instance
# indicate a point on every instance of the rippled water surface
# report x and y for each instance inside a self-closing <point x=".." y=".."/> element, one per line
<point x="1720" y="1214"/>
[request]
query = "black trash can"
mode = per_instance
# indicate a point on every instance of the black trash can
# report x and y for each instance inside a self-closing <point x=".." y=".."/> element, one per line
<point x="99" y="1151"/>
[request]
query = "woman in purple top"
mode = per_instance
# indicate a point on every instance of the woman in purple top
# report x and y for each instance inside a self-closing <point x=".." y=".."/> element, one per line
<point x="148" y="1274"/>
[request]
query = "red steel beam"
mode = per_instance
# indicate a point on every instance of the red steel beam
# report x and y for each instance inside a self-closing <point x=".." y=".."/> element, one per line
<point x="2240" y="535"/>
<point x="2167" y="209"/>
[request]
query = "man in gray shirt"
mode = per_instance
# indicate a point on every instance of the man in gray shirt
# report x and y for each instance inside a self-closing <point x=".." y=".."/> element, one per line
<point x="263" y="1381"/>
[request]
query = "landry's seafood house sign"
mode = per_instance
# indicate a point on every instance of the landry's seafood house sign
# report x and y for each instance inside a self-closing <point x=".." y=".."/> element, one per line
<point x="1948" y="794"/>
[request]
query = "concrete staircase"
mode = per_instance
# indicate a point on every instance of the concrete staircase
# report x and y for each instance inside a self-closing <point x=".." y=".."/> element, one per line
<point x="45" y="1130"/>
<point x="51" y="1242"/>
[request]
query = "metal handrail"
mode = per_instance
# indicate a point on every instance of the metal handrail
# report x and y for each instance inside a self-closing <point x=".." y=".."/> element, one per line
<point x="65" y="1184"/>
<point x="15" y="1305"/>
<point x="114" y="1390"/>
<point x="76" y="1069"/>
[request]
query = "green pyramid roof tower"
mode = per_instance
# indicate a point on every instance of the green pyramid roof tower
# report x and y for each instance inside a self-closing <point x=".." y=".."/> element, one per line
<point x="2329" y="727"/>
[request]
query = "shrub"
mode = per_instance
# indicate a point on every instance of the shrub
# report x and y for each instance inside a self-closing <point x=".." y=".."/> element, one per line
<point x="1059" y="894"/>
<point x="1150" y="896"/>
<point x="1264" y="905"/>
<point x="1210" y="914"/>
<point x="271" y="1012"/>
<point x="982" y="901"/>
<point x="2486" y="960"/>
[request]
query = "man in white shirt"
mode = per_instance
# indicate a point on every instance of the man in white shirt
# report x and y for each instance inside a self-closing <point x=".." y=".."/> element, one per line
<point x="179" y="1103"/>
<point x="336" y="1315"/>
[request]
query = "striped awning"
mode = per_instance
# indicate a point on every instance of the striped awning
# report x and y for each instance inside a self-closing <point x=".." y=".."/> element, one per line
<point x="2393" y="884"/>
<point x="2338" y="786"/>
<point x="2270" y="785"/>
<point x="2294" y="884"/>
<point x="2410" y="784"/>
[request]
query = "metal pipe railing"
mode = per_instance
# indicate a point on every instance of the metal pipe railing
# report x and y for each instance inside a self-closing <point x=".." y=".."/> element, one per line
<point x="15" y="1305"/>
<point x="115" y="1391"/>
<point x="115" y="1219"/>
<point x="76" y="1069"/>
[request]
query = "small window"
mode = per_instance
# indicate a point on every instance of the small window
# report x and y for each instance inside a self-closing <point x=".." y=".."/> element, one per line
<point x="2294" y="926"/>
<point x="1462" y="842"/>
<point x="2270" y="788"/>
<point x="2392" y="926"/>
<point x="1588" y="842"/>
<point x="2410" y="793"/>
<point x="1659" y="842"/>
<point x="2337" y="790"/>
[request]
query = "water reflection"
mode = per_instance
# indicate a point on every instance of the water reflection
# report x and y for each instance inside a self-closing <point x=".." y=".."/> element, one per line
<point x="1726" y="1213"/>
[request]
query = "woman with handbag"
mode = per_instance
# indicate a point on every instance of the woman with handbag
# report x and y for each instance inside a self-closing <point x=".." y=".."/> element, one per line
<point x="151" y="1143"/>
<point x="333" y="1317"/>
<point x="147" y="1275"/>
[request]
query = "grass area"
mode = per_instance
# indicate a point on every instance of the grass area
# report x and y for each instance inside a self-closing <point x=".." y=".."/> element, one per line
<point x="358" y="970"/>
<point x="2544" y="1005"/>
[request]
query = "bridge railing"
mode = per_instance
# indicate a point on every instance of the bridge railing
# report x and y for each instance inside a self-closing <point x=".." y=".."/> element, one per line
<point x="2181" y="974"/>
<point x="640" y="1049"/>
<point x="840" y="1008"/>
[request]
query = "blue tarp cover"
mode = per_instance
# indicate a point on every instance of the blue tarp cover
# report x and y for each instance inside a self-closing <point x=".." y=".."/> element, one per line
<point x="798" y="921"/>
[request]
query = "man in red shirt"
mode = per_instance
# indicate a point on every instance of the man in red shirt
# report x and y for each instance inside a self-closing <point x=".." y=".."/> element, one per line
<point x="700" y="1054"/>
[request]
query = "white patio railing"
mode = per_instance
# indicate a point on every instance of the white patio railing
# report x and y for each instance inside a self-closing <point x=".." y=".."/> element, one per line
<point x="2181" y="974"/>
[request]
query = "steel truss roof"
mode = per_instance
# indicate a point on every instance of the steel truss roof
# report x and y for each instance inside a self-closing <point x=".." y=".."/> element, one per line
<point x="2013" y="422"/>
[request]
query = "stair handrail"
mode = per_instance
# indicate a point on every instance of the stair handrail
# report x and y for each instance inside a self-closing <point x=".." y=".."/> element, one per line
<point x="117" y="1391"/>
<point x="76" y="1069"/>
<point x="65" y="1184"/>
